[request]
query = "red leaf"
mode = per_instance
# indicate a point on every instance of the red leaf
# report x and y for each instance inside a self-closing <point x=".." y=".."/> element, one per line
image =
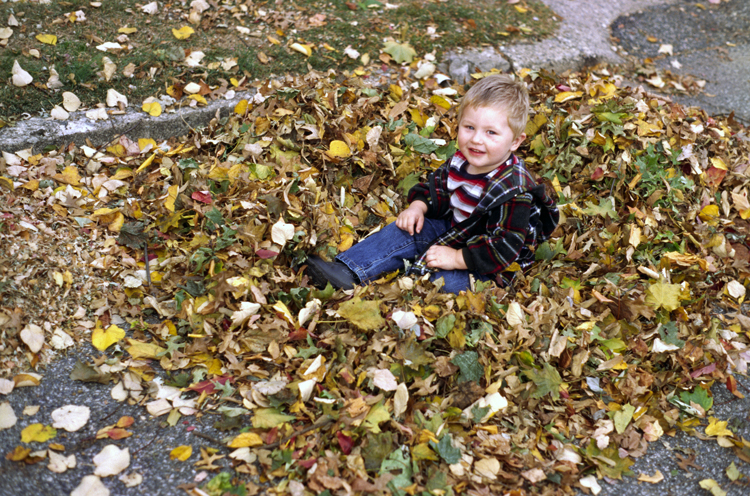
<point x="118" y="433"/>
<point x="125" y="421"/>
<point x="208" y="386"/>
<point x="732" y="386"/>
<point x="714" y="176"/>
<point x="345" y="442"/>
<point x="704" y="371"/>
<point x="298" y="335"/>
<point x="266" y="253"/>
<point x="202" y="196"/>
<point x="307" y="463"/>
<point x="598" y="174"/>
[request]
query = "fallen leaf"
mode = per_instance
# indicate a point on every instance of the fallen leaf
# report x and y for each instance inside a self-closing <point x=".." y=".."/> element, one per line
<point x="181" y="453"/>
<point x="70" y="417"/>
<point x="111" y="460"/>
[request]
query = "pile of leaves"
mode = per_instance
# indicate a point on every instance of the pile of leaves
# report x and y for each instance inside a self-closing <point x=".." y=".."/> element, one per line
<point x="608" y="343"/>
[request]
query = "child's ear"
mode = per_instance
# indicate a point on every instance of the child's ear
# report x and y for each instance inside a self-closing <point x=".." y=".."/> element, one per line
<point x="517" y="142"/>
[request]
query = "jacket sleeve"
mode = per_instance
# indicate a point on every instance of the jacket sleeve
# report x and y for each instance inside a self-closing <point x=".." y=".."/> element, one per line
<point x="507" y="228"/>
<point x="434" y="192"/>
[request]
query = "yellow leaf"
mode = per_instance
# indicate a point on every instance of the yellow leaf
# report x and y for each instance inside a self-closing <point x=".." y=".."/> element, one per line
<point x="7" y="183"/>
<point x="37" y="433"/>
<point x="198" y="98"/>
<point x="111" y="217"/>
<point x="663" y="295"/>
<point x="181" y="453"/>
<point x="520" y="9"/>
<point x="273" y="40"/>
<point x="69" y="176"/>
<point x="246" y="440"/>
<point x="346" y="242"/>
<point x="183" y="33"/>
<point x="49" y="39"/>
<point x="127" y="30"/>
<point x="152" y="108"/>
<point x="146" y="163"/>
<point x="440" y="102"/>
<point x="144" y="142"/>
<point x="102" y="339"/>
<point x="363" y="314"/>
<point x="306" y="50"/>
<point x="338" y="149"/>
<point x="281" y="308"/>
<point x="564" y="96"/>
<point x="241" y="107"/>
<point x="710" y="214"/>
<point x="718" y="163"/>
<point x="717" y="427"/>
<point x="139" y="349"/>
<point x="171" y="197"/>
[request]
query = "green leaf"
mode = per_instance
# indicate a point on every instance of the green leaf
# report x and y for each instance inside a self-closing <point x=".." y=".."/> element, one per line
<point x="545" y="252"/>
<point x="479" y="329"/>
<point x="605" y="208"/>
<point x="378" y="447"/>
<point x="669" y="334"/>
<point x="622" y="417"/>
<point x="414" y="354"/>
<point x="471" y="369"/>
<point x="420" y="144"/>
<point x="397" y="460"/>
<point x="268" y="418"/>
<point x="401" y="52"/>
<point x="445" y="449"/>
<point x="699" y="396"/>
<point x="408" y="182"/>
<point x="445" y="325"/>
<point x="378" y="413"/>
<point x="733" y="473"/>
<point x="363" y="314"/>
<point x="547" y="381"/>
<point x="478" y="413"/>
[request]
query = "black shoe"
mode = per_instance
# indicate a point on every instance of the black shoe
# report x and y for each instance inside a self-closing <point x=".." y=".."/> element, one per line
<point x="337" y="273"/>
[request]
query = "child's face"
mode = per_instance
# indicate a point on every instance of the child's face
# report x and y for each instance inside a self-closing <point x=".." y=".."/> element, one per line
<point x="486" y="139"/>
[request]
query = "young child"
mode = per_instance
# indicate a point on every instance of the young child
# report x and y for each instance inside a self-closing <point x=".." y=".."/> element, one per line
<point x="477" y="214"/>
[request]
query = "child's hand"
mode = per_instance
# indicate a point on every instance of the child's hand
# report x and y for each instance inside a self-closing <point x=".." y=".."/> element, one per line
<point x="412" y="219"/>
<point x="445" y="257"/>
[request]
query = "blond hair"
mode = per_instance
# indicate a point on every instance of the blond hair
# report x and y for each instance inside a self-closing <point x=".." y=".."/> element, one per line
<point x="500" y="90"/>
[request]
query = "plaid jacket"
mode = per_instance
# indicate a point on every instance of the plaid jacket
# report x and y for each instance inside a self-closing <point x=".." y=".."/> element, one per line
<point x="512" y="218"/>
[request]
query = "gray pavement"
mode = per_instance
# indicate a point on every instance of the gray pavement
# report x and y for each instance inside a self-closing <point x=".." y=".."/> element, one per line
<point x="710" y="43"/>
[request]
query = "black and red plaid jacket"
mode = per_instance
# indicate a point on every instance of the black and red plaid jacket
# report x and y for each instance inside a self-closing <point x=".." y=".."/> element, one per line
<point x="514" y="215"/>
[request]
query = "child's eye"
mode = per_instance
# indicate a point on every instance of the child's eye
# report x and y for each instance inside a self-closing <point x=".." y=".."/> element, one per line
<point x="491" y="132"/>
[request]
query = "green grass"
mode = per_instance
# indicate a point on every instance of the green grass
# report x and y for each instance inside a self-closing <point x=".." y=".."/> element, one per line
<point x="156" y="54"/>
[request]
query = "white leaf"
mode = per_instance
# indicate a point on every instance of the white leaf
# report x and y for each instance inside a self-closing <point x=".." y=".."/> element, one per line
<point x="132" y="479"/>
<point x="590" y="482"/>
<point x="90" y="485"/>
<point x="351" y="52"/>
<point x="54" y="82"/>
<point x="60" y="463"/>
<point x="20" y="77"/>
<point x="194" y="59"/>
<point x="5" y="33"/>
<point x="515" y="315"/>
<point x="7" y="416"/>
<point x="192" y="88"/>
<point x="373" y="136"/>
<point x="270" y="387"/>
<point x="311" y="308"/>
<point x="6" y="386"/>
<point x="736" y="290"/>
<point x="70" y="417"/>
<point x="111" y="461"/>
<point x="385" y="380"/>
<point x="306" y="389"/>
<point x="109" y="46"/>
<point x="132" y="282"/>
<point x="12" y="21"/>
<point x="159" y="407"/>
<point x="660" y="346"/>
<point x="244" y="454"/>
<point x="99" y="114"/>
<point x="487" y="468"/>
<point x="425" y="70"/>
<point x="33" y="336"/>
<point x="247" y="309"/>
<point x="400" y="400"/>
<point x="405" y="320"/>
<point x="151" y="8"/>
<point x="118" y="392"/>
<point x="199" y="6"/>
<point x="59" y="113"/>
<point x="666" y="48"/>
<point x="281" y="232"/>
<point x="109" y="70"/>
<point x="71" y="102"/>
<point x="494" y="401"/>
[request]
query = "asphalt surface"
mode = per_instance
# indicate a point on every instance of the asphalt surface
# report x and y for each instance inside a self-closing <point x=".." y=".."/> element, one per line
<point x="709" y="41"/>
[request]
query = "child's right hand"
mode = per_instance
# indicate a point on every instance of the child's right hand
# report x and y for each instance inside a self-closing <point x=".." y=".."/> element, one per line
<point x="412" y="219"/>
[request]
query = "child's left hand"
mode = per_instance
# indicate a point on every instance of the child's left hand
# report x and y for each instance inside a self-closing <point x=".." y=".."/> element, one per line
<point x="445" y="257"/>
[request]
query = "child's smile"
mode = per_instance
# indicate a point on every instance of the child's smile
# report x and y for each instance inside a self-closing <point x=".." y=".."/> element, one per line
<point x="486" y="139"/>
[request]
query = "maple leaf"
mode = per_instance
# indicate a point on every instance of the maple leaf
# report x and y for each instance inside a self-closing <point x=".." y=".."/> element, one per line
<point x="401" y="52"/>
<point x="414" y="354"/>
<point x="664" y="295"/>
<point x="364" y="314"/>
<point x="471" y="369"/>
<point x="547" y="381"/>
<point x="605" y="208"/>
<point x="446" y="450"/>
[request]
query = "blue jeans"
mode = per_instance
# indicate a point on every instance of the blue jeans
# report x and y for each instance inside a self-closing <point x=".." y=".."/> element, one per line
<point x="386" y="250"/>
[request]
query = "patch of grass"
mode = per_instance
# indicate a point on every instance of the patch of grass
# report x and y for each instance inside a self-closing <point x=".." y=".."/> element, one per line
<point x="153" y="58"/>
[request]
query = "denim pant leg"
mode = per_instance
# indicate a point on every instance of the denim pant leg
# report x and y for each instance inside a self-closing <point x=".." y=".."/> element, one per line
<point x="386" y="250"/>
